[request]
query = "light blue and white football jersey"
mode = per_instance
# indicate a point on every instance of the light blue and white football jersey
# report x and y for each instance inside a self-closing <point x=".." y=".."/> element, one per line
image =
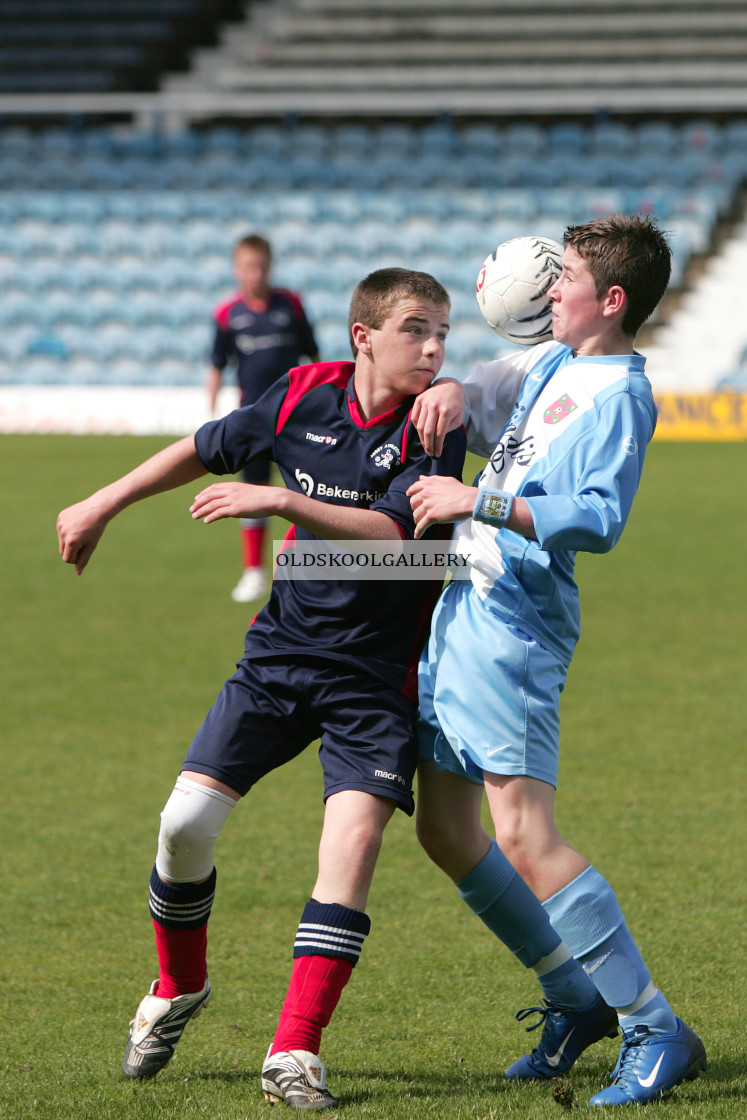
<point x="568" y="434"/>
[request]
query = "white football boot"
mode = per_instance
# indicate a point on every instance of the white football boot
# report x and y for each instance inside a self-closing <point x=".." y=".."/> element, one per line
<point x="156" y="1029"/>
<point x="298" y="1078"/>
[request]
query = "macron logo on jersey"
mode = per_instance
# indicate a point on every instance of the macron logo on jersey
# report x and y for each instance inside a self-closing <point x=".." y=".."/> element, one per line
<point x="314" y="438"/>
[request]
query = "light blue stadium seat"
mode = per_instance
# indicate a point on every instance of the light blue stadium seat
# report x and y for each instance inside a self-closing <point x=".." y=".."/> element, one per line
<point x="354" y="174"/>
<point x="525" y="138"/>
<point x="437" y="137"/>
<point x="224" y="138"/>
<point x="41" y="205"/>
<point x="568" y="136"/>
<point x="186" y="144"/>
<point x="512" y="205"/>
<point x="268" y="139"/>
<point x="352" y="139"/>
<point x="394" y="137"/>
<point x="306" y="173"/>
<point x="43" y="370"/>
<point x="14" y="344"/>
<point x="99" y="140"/>
<point x="164" y="276"/>
<point x="192" y="307"/>
<point x="612" y="137"/>
<point x="156" y="372"/>
<point x="12" y="242"/>
<point x="702" y="135"/>
<point x="209" y="206"/>
<point x="10" y="206"/>
<point x="334" y="342"/>
<point x="657" y="136"/>
<point x="102" y="173"/>
<point x="47" y="345"/>
<point x="311" y="139"/>
<point x="165" y="206"/>
<point x="84" y="207"/>
<point x="17" y="140"/>
<point x="690" y="231"/>
<point x="144" y="144"/>
<point x="598" y="202"/>
<point x="299" y="205"/>
<point x="324" y="303"/>
<point x="481" y="139"/>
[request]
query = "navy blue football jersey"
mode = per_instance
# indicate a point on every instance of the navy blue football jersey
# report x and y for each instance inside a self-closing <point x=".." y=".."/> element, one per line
<point x="264" y="344"/>
<point x="309" y="424"/>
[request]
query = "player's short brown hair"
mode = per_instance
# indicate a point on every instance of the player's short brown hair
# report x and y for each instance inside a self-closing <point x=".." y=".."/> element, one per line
<point x="628" y="250"/>
<point x="254" y="241"/>
<point x="375" y="297"/>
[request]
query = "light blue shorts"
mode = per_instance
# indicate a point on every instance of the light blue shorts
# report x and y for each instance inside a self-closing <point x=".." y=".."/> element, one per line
<point x="489" y="694"/>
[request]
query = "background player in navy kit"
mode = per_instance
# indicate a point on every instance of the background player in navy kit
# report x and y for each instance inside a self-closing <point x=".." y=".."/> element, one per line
<point x="262" y="331"/>
<point x="335" y="660"/>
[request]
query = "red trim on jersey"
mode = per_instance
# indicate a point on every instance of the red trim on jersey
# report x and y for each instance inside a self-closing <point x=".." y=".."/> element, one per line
<point x="375" y="421"/>
<point x="302" y="379"/>
<point x="294" y="299"/>
<point x="258" y="306"/>
<point x="222" y="313"/>
<point x="405" y="430"/>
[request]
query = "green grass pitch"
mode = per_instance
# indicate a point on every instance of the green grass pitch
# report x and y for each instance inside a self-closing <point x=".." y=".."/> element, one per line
<point x="104" y="679"/>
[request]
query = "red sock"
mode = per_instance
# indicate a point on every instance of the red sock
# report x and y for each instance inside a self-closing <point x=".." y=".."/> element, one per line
<point x="252" y="545"/>
<point x="313" y="993"/>
<point x="182" y="960"/>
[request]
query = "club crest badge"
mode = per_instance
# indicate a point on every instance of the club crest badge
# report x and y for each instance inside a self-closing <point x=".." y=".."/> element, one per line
<point x="386" y="456"/>
<point x="559" y="409"/>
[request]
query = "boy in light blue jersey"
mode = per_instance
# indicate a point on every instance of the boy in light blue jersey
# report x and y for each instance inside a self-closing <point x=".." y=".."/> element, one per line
<point x="565" y="425"/>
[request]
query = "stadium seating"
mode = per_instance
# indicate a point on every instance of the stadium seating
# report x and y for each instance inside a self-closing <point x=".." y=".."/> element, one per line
<point x="115" y="245"/>
<point x="64" y="46"/>
<point x="349" y="56"/>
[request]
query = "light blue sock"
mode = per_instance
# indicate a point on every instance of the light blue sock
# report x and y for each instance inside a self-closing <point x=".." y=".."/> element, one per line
<point x="588" y="917"/>
<point x="502" y="900"/>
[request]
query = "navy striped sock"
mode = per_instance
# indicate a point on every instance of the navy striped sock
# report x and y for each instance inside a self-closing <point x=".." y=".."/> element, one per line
<point x="181" y="905"/>
<point x="330" y="930"/>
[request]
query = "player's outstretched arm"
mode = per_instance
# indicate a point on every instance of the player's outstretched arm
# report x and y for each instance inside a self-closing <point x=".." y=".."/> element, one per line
<point x="80" y="527"/>
<point x="436" y="412"/>
<point x="241" y="499"/>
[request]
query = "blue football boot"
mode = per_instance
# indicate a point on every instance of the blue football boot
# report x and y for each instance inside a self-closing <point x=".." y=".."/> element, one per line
<point x="566" y="1034"/>
<point x="651" y="1064"/>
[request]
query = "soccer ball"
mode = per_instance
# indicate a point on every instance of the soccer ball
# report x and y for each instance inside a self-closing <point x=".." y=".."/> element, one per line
<point x="512" y="288"/>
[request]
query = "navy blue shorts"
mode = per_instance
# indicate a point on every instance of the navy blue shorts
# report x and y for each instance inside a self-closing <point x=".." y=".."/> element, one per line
<point x="273" y="707"/>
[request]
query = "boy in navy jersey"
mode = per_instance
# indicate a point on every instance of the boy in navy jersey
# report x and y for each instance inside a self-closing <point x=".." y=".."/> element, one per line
<point x="262" y="331"/>
<point x="334" y="660"/>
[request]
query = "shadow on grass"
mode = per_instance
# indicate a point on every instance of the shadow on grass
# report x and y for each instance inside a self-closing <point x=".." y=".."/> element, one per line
<point x="724" y="1080"/>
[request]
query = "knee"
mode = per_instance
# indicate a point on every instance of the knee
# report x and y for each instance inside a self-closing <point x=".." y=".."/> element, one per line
<point x="520" y="844"/>
<point x="363" y="841"/>
<point x="455" y="846"/>
<point x="190" y="825"/>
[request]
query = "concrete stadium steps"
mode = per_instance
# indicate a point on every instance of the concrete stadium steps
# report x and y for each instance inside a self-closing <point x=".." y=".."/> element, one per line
<point x="703" y="341"/>
<point x="479" y="55"/>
